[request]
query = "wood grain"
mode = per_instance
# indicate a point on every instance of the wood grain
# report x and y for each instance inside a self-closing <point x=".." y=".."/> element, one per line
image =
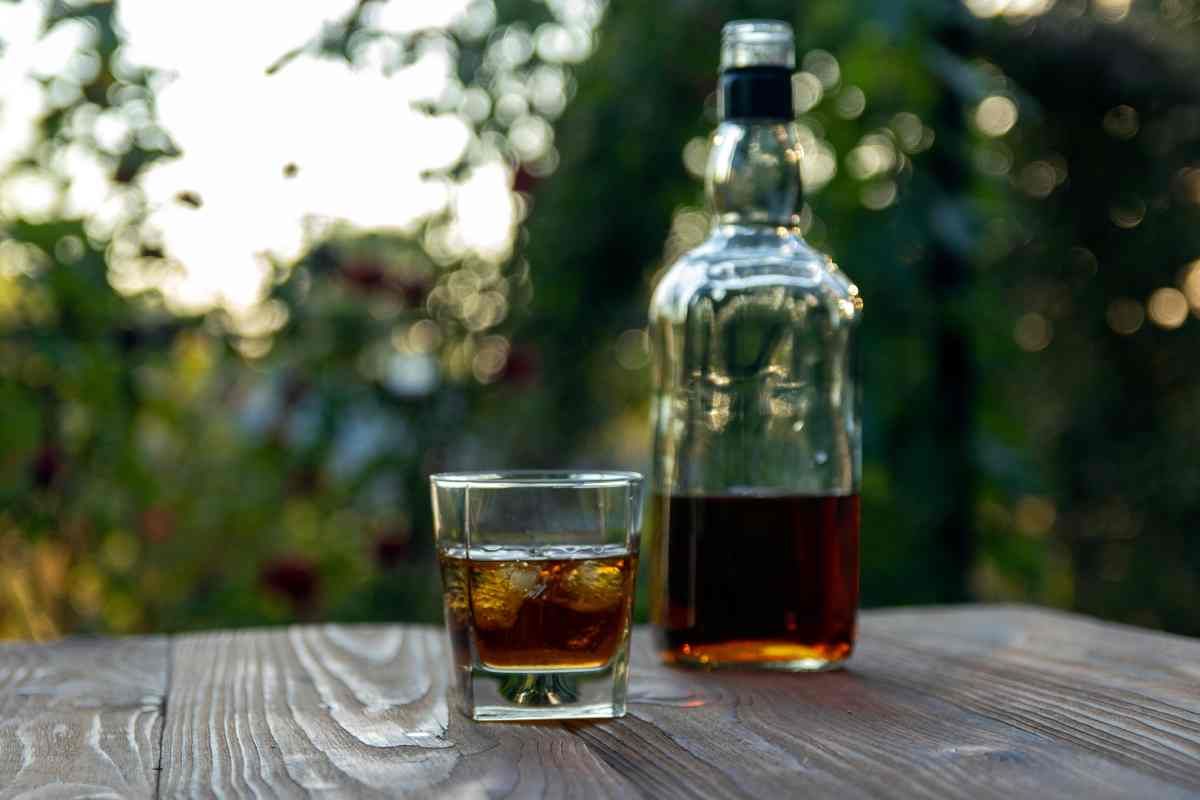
<point x="891" y="725"/>
<point x="967" y="702"/>
<point x="81" y="718"/>
<point x="350" y="712"/>
<point x="1129" y="696"/>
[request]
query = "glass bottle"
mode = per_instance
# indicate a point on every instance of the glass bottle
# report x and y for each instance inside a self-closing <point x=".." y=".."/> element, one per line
<point x="757" y="453"/>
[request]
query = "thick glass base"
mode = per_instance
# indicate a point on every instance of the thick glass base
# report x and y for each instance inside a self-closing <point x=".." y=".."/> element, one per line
<point x="493" y="696"/>
<point x="759" y="654"/>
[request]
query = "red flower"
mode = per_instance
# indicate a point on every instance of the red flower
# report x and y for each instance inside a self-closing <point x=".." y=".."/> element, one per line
<point x="305" y="480"/>
<point x="524" y="180"/>
<point x="414" y="291"/>
<point x="158" y="523"/>
<point x="364" y="274"/>
<point x="523" y="367"/>
<point x="391" y="547"/>
<point x="295" y="577"/>
<point x="46" y="466"/>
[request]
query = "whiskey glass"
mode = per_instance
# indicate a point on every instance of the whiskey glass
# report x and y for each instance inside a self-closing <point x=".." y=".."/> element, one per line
<point x="538" y="576"/>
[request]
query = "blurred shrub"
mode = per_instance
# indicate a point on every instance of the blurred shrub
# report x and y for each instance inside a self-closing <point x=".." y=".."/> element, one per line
<point x="1013" y="186"/>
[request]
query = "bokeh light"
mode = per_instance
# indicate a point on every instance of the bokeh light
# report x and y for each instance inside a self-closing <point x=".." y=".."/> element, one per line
<point x="1111" y="10"/>
<point x="1187" y="183"/>
<point x="1033" y="332"/>
<point x="695" y="156"/>
<point x="1121" y="122"/>
<point x="1190" y="282"/>
<point x="875" y="155"/>
<point x="1167" y="307"/>
<point x="633" y="349"/>
<point x="850" y="103"/>
<point x="824" y="66"/>
<point x="1125" y="315"/>
<point x="1015" y="9"/>
<point x="807" y="91"/>
<point x="1038" y="179"/>
<point x="878" y="195"/>
<point x="1128" y="212"/>
<point x="996" y="115"/>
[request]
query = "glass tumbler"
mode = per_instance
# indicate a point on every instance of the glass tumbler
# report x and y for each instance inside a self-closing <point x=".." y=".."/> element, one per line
<point x="538" y="576"/>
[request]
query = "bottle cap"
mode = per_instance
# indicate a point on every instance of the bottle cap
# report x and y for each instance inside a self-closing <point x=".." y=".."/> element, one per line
<point x="757" y="59"/>
<point x="757" y="43"/>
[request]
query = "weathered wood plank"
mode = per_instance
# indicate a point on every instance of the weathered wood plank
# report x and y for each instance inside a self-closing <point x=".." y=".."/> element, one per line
<point x="1157" y="666"/>
<point x="885" y="727"/>
<point x="351" y="712"/>
<point x="969" y="702"/>
<point x="1130" y="696"/>
<point x="81" y="718"/>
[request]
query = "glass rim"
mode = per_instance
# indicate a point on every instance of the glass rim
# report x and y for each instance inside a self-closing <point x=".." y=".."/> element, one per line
<point x="538" y="479"/>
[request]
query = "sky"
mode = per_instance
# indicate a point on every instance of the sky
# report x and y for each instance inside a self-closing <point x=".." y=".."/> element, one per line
<point x="360" y="151"/>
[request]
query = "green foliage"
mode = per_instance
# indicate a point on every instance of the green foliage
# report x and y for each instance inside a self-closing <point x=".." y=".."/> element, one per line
<point x="1030" y="403"/>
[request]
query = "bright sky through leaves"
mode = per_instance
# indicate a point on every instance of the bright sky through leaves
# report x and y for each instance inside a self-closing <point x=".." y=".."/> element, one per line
<point x="359" y="149"/>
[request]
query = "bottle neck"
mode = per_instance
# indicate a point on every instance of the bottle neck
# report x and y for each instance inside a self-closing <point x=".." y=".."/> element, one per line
<point x="753" y="174"/>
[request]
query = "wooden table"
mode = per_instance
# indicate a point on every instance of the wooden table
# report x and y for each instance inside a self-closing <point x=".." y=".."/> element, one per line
<point x="973" y="702"/>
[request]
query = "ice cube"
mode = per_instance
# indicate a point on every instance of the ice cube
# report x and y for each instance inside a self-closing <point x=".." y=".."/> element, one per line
<point x="454" y="586"/>
<point x="591" y="586"/>
<point x="498" y="589"/>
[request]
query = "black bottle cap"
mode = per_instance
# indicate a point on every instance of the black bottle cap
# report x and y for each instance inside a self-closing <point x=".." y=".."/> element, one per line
<point x="755" y="93"/>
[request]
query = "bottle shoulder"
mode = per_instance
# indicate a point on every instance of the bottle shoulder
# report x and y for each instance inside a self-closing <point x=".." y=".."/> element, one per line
<point x="735" y="263"/>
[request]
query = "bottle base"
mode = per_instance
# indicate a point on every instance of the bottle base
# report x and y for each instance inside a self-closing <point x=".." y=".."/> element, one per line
<point x="759" y="655"/>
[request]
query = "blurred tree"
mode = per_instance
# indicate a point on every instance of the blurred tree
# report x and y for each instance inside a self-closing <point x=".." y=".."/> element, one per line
<point x="1094" y="263"/>
<point x="1013" y="184"/>
<point x="974" y="243"/>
